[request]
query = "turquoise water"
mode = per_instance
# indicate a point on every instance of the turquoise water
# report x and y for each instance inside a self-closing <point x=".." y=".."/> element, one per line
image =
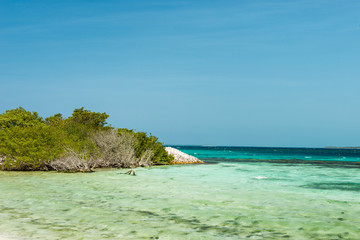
<point x="269" y="153"/>
<point x="222" y="200"/>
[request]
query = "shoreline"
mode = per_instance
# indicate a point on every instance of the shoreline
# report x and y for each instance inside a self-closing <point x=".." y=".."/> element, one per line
<point x="179" y="158"/>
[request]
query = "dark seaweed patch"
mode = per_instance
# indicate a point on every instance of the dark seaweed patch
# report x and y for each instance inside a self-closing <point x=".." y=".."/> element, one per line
<point x="344" y="186"/>
<point x="231" y="228"/>
<point x="287" y="162"/>
<point x="148" y="213"/>
<point x="228" y="166"/>
<point x="242" y="170"/>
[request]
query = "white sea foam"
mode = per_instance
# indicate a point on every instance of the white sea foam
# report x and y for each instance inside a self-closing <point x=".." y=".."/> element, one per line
<point x="260" y="177"/>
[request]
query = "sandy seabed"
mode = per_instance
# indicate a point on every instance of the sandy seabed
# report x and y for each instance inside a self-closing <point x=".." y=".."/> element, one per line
<point x="6" y="238"/>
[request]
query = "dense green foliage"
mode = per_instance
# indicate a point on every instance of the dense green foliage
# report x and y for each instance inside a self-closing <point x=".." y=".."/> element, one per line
<point x="80" y="142"/>
<point x="148" y="142"/>
<point x="19" y="117"/>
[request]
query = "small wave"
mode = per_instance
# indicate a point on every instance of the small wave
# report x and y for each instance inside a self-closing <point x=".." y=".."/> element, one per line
<point x="307" y="157"/>
<point x="260" y="177"/>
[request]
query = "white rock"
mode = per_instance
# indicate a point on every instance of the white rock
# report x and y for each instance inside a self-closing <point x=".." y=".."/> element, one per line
<point x="181" y="157"/>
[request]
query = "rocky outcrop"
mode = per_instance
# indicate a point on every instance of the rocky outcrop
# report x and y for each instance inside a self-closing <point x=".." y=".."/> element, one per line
<point x="181" y="157"/>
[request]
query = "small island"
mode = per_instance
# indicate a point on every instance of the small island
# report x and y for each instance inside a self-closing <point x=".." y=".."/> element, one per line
<point x="80" y="143"/>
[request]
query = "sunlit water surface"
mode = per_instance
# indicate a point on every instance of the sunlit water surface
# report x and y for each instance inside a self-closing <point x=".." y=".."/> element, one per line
<point x="226" y="200"/>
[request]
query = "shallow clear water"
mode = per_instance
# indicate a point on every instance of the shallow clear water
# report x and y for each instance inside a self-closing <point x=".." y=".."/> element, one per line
<point x="226" y="200"/>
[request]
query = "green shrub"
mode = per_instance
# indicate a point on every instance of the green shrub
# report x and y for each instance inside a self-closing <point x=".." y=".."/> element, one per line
<point x="81" y="142"/>
<point x="90" y="119"/>
<point x="19" y="117"/>
<point x="146" y="143"/>
<point x="29" y="148"/>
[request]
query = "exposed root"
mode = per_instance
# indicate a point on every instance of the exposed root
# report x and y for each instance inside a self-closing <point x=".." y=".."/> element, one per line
<point x="131" y="171"/>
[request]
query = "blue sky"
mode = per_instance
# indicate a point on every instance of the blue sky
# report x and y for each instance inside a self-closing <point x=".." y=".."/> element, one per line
<point x="245" y="73"/>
